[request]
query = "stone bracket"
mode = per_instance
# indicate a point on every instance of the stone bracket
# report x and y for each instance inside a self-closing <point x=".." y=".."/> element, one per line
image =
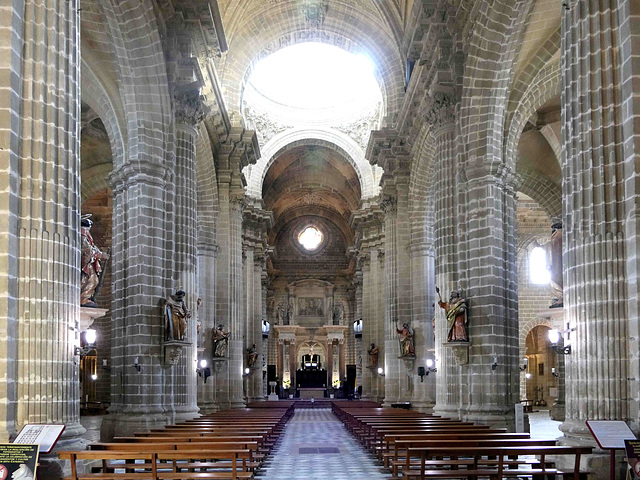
<point x="172" y="351"/>
<point x="460" y="351"/>
<point x="219" y="363"/>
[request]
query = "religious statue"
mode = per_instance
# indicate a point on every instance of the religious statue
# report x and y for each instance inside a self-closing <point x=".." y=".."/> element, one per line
<point x="176" y="315"/>
<point x="338" y="313"/>
<point x="554" y="250"/>
<point x="456" y="311"/>
<point x="373" y="355"/>
<point x="290" y="312"/>
<point x="92" y="271"/>
<point x="252" y="355"/>
<point x="282" y="314"/>
<point x="220" y="342"/>
<point x="406" y="340"/>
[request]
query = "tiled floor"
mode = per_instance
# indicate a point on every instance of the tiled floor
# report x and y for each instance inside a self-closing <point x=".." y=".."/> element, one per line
<point x="316" y="446"/>
<point x="542" y="427"/>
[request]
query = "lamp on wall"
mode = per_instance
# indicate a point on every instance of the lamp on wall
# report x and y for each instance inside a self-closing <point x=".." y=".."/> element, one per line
<point x="136" y="365"/>
<point x="554" y="372"/>
<point x="525" y="364"/>
<point x="494" y="365"/>
<point x="554" y="338"/>
<point x="357" y="328"/>
<point x="247" y="371"/>
<point x="203" y="370"/>
<point x="266" y="327"/>
<point x="381" y="371"/>
<point x="90" y="337"/>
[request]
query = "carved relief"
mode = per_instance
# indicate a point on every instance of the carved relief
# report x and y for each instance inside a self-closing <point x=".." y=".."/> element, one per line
<point x="360" y="130"/>
<point x="266" y="128"/>
<point x="315" y="12"/>
<point x="189" y="106"/>
<point x="441" y="109"/>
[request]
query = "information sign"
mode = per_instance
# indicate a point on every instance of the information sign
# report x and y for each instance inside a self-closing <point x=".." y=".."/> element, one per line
<point x="632" y="448"/>
<point x="43" y="434"/>
<point x="610" y="434"/>
<point x="18" y="461"/>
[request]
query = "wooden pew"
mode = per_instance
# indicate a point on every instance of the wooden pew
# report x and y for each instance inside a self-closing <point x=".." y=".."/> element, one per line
<point x="491" y="461"/>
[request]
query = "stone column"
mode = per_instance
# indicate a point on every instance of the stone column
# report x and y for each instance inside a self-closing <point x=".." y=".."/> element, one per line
<point x="397" y="290"/>
<point x="207" y="254"/>
<point x="378" y="281"/>
<point x="181" y="377"/>
<point x="255" y="325"/>
<point x="40" y="155"/>
<point x="600" y="233"/>
<point x="367" y="380"/>
<point x="422" y="276"/>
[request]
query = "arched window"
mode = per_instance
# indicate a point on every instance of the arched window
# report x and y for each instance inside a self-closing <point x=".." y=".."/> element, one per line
<point x="538" y="267"/>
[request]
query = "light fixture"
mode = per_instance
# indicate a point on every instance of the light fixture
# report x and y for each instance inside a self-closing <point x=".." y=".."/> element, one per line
<point x="203" y="370"/>
<point x="554" y="338"/>
<point x="247" y="371"/>
<point x="528" y="376"/>
<point x="525" y="364"/>
<point x="136" y="364"/>
<point x="90" y="337"/>
<point x="494" y="365"/>
<point x="554" y="372"/>
<point x="357" y="328"/>
<point x="381" y="371"/>
<point x="266" y="327"/>
<point x="94" y="377"/>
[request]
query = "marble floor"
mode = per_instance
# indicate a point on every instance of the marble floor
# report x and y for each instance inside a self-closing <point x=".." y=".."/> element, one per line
<point x="316" y="445"/>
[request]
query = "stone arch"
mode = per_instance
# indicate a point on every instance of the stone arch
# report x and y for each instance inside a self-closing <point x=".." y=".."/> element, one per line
<point x="544" y="87"/>
<point x="337" y="141"/>
<point x="283" y="30"/>
<point x="421" y="185"/>
<point x="491" y="55"/>
<point x="542" y="189"/>
<point x="526" y="328"/>
<point x="138" y="53"/>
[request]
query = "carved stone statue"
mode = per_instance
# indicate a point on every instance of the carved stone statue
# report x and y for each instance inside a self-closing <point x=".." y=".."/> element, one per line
<point x="406" y="340"/>
<point x="282" y="314"/>
<point x="92" y="263"/>
<point x="373" y="355"/>
<point x="456" y="311"/>
<point x="220" y="342"/>
<point x="554" y="250"/>
<point x="176" y="315"/>
<point x="252" y="355"/>
<point x="338" y="313"/>
<point x="291" y="312"/>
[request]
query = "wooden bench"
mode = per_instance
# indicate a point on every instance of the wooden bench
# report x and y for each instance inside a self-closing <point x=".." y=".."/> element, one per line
<point x="494" y="462"/>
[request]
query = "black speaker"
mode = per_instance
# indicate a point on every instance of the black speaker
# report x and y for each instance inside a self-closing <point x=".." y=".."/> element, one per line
<point x="351" y="379"/>
<point x="271" y="374"/>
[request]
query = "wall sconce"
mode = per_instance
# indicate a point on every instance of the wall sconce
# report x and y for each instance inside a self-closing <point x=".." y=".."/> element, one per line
<point x="494" y="365"/>
<point x="554" y="372"/>
<point x="203" y="370"/>
<point x="527" y="376"/>
<point x="247" y="371"/>
<point x="525" y="364"/>
<point x="137" y="365"/>
<point x="554" y="338"/>
<point x="90" y="337"/>
<point x="381" y="371"/>
<point x="94" y="376"/>
<point x="422" y="373"/>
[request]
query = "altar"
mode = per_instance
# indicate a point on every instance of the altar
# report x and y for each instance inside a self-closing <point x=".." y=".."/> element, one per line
<point x="308" y="392"/>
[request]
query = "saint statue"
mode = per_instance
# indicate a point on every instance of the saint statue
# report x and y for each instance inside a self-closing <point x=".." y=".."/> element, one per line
<point x="252" y="355"/>
<point x="290" y="312"/>
<point x="176" y="315"/>
<point x="554" y="250"/>
<point x="92" y="263"/>
<point x="282" y="314"/>
<point x="338" y="313"/>
<point x="220" y="342"/>
<point x="373" y="355"/>
<point x="456" y="311"/>
<point x="406" y="340"/>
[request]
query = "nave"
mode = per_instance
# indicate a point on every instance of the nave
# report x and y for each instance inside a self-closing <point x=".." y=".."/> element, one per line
<point x="316" y="445"/>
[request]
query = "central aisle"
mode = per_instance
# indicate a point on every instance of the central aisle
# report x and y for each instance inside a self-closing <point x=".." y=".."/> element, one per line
<point x="316" y="446"/>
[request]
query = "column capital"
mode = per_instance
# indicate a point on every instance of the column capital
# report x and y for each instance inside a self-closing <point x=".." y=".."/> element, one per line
<point x="189" y="106"/>
<point x="389" y="204"/>
<point x="440" y="110"/>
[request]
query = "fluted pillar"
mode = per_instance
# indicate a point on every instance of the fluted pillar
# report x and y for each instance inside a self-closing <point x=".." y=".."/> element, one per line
<point x="207" y="393"/>
<point x="40" y="157"/>
<point x="600" y="232"/>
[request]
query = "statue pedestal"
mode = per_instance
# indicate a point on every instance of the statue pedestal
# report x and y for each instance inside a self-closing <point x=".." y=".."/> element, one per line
<point x="173" y="350"/>
<point x="88" y="316"/>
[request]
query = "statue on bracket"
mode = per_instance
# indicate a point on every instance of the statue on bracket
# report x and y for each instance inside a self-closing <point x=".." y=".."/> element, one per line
<point x="282" y="314"/>
<point x="373" y="355"/>
<point x="220" y="342"/>
<point x="92" y="265"/>
<point x="406" y="341"/>
<point x="252" y="355"/>
<point x="456" y="311"/>
<point x="176" y="315"/>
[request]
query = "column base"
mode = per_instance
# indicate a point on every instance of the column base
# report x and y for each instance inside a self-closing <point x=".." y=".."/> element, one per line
<point x="557" y="412"/>
<point x="496" y="416"/>
<point x="122" y="424"/>
<point x="207" y="408"/>
<point x="423" y="407"/>
<point x="598" y="463"/>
